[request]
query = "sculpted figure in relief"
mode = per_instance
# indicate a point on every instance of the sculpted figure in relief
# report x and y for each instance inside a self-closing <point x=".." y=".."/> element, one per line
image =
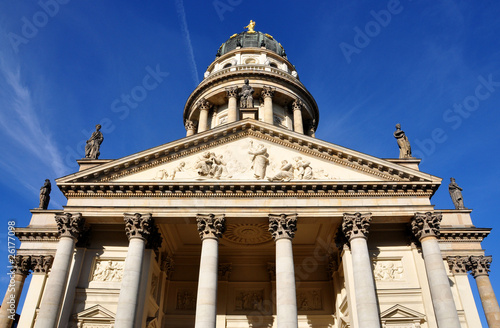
<point x="211" y="166"/>
<point x="456" y="195"/>
<point x="285" y="174"/>
<point x="94" y="143"/>
<point x="260" y="160"/>
<point x="388" y="271"/>
<point x="108" y="271"/>
<point x="164" y="175"/>
<point x="304" y="169"/>
<point x="403" y="143"/>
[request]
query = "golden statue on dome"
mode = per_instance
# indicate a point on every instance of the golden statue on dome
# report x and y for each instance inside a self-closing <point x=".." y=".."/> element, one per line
<point x="250" y="27"/>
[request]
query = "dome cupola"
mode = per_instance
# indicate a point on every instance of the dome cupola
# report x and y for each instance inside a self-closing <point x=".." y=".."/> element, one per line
<point x="251" y="78"/>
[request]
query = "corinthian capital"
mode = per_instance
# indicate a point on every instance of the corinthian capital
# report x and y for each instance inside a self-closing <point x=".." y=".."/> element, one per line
<point x="138" y="225"/>
<point x="426" y="224"/>
<point x="204" y="104"/>
<point x="70" y="225"/>
<point x="282" y="226"/>
<point x="297" y="104"/>
<point x="232" y="92"/>
<point x="22" y="264"/>
<point x="267" y="91"/>
<point x="480" y="265"/>
<point x="189" y="125"/>
<point x="458" y="264"/>
<point x="210" y="225"/>
<point x="41" y="263"/>
<point x="356" y="225"/>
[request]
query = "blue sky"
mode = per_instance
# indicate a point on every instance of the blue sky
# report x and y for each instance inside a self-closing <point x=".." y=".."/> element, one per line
<point x="430" y="65"/>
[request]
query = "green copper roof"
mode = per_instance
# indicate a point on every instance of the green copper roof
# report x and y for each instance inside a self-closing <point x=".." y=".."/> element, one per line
<point x="251" y="40"/>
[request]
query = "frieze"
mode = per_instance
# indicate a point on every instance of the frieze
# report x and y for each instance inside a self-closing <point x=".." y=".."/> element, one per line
<point x="186" y="299"/>
<point x="309" y="300"/>
<point x="249" y="300"/>
<point x="107" y="270"/>
<point x="388" y="271"/>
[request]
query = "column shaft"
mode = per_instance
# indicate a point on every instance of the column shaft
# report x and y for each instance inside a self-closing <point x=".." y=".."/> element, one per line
<point x="268" y="110"/>
<point x="11" y="299"/>
<point x="489" y="301"/>
<point x="442" y="298"/>
<point x="206" y="301"/>
<point x="203" y="121"/>
<point x="56" y="284"/>
<point x="129" y="290"/>
<point x="298" y="125"/>
<point x="364" y="286"/>
<point x="286" y="299"/>
<point x="33" y="298"/>
<point x="232" y="113"/>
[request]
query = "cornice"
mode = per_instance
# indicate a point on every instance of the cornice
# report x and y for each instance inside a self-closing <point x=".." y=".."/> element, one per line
<point x="37" y="234"/>
<point x="463" y="234"/>
<point x="96" y="178"/>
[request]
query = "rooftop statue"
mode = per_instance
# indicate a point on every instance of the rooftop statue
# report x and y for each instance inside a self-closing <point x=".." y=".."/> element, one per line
<point x="93" y="144"/>
<point x="250" y="27"/>
<point x="45" y="195"/>
<point x="246" y="95"/>
<point x="403" y="143"/>
<point x="456" y="195"/>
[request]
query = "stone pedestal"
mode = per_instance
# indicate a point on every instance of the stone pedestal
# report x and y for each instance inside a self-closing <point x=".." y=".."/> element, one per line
<point x="356" y="228"/>
<point x="267" y="95"/>
<point x="18" y="274"/>
<point x="232" y="109"/>
<point x="211" y="228"/>
<point x="139" y="229"/>
<point x="298" y="124"/>
<point x="425" y="227"/>
<point x="70" y="227"/>
<point x="282" y="228"/>
<point x="480" y="267"/>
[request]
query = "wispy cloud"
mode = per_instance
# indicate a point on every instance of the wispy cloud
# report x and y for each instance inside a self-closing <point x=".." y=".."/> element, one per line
<point x="187" y="39"/>
<point x="20" y="121"/>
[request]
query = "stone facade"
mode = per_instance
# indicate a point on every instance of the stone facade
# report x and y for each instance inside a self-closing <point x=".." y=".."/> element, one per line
<point x="250" y="221"/>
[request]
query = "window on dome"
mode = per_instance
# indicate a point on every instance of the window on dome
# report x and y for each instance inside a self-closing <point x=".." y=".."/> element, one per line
<point x="273" y="65"/>
<point x="227" y="65"/>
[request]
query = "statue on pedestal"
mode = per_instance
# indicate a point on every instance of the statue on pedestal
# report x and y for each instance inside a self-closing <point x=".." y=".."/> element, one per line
<point x="403" y="143"/>
<point x="93" y="144"/>
<point x="45" y="195"/>
<point x="260" y="160"/>
<point x="456" y="195"/>
<point x="246" y="95"/>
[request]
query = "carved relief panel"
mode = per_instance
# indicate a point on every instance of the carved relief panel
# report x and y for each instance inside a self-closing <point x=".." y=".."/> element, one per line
<point x="309" y="299"/>
<point x="186" y="299"/>
<point x="107" y="270"/>
<point x="388" y="270"/>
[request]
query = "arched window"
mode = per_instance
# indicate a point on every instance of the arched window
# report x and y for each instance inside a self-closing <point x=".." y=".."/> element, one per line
<point x="273" y="65"/>
<point x="227" y="65"/>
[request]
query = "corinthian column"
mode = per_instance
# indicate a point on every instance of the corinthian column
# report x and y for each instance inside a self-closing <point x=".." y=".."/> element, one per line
<point x="298" y="125"/>
<point x="20" y="270"/>
<point x="282" y="228"/>
<point x="232" y="109"/>
<point x="211" y="227"/>
<point x="356" y="228"/>
<point x="70" y="227"/>
<point x="204" y="107"/>
<point x="140" y="230"/>
<point x="190" y="128"/>
<point x="425" y="226"/>
<point x="267" y="94"/>
<point x="480" y="268"/>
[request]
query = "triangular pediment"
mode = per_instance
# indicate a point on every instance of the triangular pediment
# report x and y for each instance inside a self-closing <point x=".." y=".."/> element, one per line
<point x="401" y="312"/>
<point x="96" y="312"/>
<point x="251" y="152"/>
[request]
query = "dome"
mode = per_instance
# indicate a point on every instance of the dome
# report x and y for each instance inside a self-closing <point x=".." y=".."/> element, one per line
<point x="251" y="39"/>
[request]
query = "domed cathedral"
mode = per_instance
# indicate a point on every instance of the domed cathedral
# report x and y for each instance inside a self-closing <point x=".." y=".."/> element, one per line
<point x="250" y="221"/>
